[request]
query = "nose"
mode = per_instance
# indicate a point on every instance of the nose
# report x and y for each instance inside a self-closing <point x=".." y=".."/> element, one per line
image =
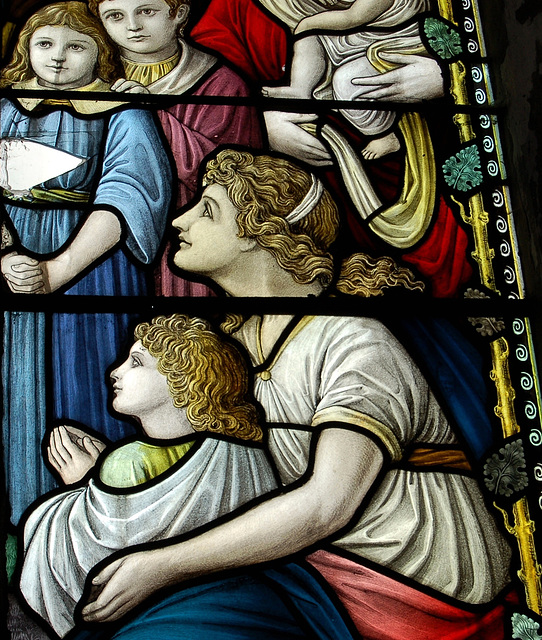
<point x="58" y="54"/>
<point x="116" y="374"/>
<point x="133" y="23"/>
<point x="183" y="222"/>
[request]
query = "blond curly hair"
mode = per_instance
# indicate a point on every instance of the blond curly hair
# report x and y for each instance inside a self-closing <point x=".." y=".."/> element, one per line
<point x="74" y="15"/>
<point x="264" y="190"/>
<point x="206" y="375"/>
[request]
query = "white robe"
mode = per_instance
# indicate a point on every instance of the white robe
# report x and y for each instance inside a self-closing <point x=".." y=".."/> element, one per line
<point x="68" y="534"/>
<point x="347" y="53"/>
<point x="430" y="526"/>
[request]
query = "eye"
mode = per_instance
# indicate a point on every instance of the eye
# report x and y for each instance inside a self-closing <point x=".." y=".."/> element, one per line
<point x="136" y="362"/>
<point x="76" y="47"/>
<point x="115" y="16"/>
<point x="207" y="213"/>
<point x="44" y="44"/>
<point x="148" y="12"/>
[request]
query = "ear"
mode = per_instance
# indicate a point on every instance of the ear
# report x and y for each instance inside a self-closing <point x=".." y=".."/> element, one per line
<point x="182" y="14"/>
<point x="249" y="244"/>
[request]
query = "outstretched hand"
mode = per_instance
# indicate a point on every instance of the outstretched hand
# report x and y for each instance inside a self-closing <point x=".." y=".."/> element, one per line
<point x="417" y="78"/>
<point x="72" y="453"/>
<point x="124" y="584"/>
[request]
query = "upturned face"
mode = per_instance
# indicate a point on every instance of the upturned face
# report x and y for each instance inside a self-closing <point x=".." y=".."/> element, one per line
<point x="143" y="30"/>
<point x="209" y="243"/>
<point x="63" y="58"/>
<point x="140" y="390"/>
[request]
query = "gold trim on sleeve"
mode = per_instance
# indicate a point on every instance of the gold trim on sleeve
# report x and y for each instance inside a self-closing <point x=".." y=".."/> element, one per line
<point x="357" y="419"/>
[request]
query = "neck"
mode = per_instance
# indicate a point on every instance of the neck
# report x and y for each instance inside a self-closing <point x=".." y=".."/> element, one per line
<point x="151" y="58"/>
<point x="166" y="422"/>
<point x="259" y="275"/>
<point x="82" y="82"/>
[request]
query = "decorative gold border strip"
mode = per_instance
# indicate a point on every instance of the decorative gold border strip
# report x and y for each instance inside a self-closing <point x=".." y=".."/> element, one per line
<point x="523" y="529"/>
<point x="477" y="218"/>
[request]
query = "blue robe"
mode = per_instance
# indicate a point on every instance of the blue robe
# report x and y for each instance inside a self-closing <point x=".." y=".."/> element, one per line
<point x="127" y="171"/>
<point x="286" y="602"/>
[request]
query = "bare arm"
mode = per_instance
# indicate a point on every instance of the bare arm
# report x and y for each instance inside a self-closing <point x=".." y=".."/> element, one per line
<point x="100" y="232"/>
<point x="346" y="464"/>
<point x="360" y="13"/>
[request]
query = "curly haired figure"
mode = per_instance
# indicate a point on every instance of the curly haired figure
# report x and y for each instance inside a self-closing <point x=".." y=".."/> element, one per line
<point x="182" y="383"/>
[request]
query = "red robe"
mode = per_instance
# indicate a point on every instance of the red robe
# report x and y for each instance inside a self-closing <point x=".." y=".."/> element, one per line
<point x="193" y="131"/>
<point x="383" y="608"/>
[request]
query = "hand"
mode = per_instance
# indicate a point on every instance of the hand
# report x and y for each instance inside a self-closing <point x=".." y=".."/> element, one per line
<point x="72" y="453"/>
<point x="416" y="79"/>
<point x="22" y="273"/>
<point x="287" y="136"/>
<point x="124" y="584"/>
<point x="78" y="435"/>
<point x="128" y="86"/>
<point x="307" y="24"/>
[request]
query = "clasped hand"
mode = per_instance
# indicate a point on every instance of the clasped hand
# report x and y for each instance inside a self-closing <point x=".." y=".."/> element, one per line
<point x="23" y="274"/>
<point x="73" y="453"/>
<point x="28" y="275"/>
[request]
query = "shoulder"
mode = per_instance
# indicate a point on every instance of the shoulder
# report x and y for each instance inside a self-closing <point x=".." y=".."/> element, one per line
<point x="351" y="343"/>
<point x="124" y="466"/>
<point x="223" y="81"/>
<point x="336" y="329"/>
<point x="132" y="124"/>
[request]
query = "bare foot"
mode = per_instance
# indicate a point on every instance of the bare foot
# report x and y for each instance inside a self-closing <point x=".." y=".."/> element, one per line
<point x="285" y="92"/>
<point x="381" y="147"/>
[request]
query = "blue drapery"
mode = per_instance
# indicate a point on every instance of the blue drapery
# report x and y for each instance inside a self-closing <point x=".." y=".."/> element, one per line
<point x="284" y="603"/>
<point x="128" y="170"/>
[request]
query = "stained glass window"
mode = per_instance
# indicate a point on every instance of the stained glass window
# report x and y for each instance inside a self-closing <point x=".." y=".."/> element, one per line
<point x="268" y="356"/>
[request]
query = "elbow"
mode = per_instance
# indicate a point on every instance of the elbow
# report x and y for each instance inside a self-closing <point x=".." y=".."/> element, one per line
<point x="329" y="513"/>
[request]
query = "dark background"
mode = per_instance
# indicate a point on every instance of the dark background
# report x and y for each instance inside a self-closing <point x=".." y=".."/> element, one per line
<point x="513" y="35"/>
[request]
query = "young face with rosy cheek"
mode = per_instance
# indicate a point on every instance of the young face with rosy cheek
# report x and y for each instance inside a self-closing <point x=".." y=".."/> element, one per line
<point x="63" y="58"/>
<point x="143" y="30"/>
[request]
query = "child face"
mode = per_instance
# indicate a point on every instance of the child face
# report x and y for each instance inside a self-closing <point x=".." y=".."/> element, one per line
<point x="138" y="386"/>
<point x="63" y="58"/>
<point x="141" y="391"/>
<point x="143" y="29"/>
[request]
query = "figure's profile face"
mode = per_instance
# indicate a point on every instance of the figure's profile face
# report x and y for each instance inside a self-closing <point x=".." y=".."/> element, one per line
<point x="143" y="29"/>
<point x="62" y="58"/>
<point x="208" y="235"/>
<point x="140" y="390"/>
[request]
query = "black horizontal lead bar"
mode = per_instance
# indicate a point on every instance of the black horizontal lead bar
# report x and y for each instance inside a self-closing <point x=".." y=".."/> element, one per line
<point x="341" y="306"/>
<point x="266" y="104"/>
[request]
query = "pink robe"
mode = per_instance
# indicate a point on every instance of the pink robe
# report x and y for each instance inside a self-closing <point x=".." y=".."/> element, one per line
<point x="193" y="131"/>
<point x="382" y="608"/>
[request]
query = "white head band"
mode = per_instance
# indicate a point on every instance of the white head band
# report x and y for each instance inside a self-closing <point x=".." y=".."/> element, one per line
<point x="311" y="199"/>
